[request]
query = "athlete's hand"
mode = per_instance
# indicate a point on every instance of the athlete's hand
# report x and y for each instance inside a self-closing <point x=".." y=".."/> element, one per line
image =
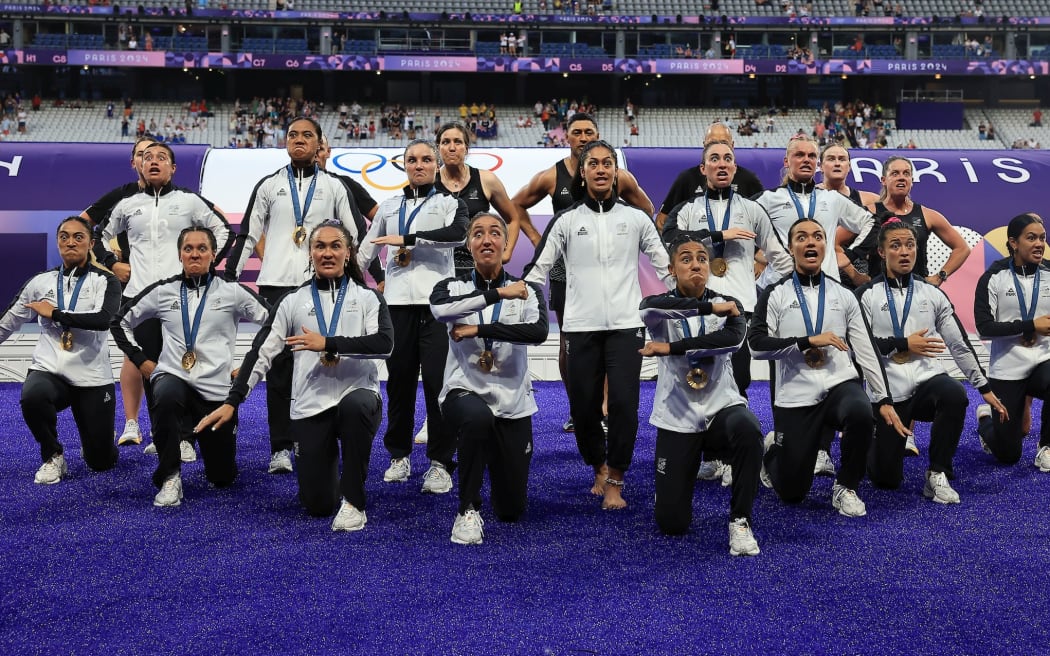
<point x="147" y="367"/>
<point x="920" y="344"/>
<point x="215" y="418"/>
<point x="461" y="331"/>
<point x="655" y="349"/>
<point x="725" y="309"/>
<point x="389" y="240"/>
<point x="1042" y="325"/>
<point x="737" y="233"/>
<point x="122" y="271"/>
<point x="829" y="339"/>
<point x="307" y="341"/>
<point x="997" y="405"/>
<point x="889" y="415"/>
<point x="43" y="308"/>
<point x="517" y="289"/>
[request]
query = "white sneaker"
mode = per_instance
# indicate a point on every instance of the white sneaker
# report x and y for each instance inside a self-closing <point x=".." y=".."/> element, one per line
<point x="131" y="434"/>
<point x="909" y="446"/>
<point x="742" y="541"/>
<point x="281" y="462"/>
<point x="568" y="426"/>
<point x="847" y="502"/>
<point x="52" y="471"/>
<point x="437" y="479"/>
<point x="186" y="452"/>
<point x="938" y="489"/>
<point x="468" y="528"/>
<point x="824" y="465"/>
<point x="151" y="449"/>
<point x="421" y="437"/>
<point x="710" y="470"/>
<point x="1042" y="459"/>
<point x="727" y="475"/>
<point x="349" y="518"/>
<point x="170" y="493"/>
<point x="398" y="471"/>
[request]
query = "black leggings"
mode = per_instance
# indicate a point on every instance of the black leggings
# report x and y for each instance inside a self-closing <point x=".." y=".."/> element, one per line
<point x="348" y="428"/>
<point x="1005" y="439"/>
<point x="940" y="399"/>
<point x="278" y="385"/>
<point x="44" y="395"/>
<point x="503" y="445"/>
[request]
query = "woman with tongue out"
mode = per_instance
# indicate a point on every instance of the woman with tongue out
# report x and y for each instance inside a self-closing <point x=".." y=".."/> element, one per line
<point x="808" y="324"/>
<point x="600" y="237"/>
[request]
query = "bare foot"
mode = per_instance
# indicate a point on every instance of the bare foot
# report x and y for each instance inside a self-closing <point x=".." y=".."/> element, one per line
<point x="613" y="499"/>
<point x="600" y="474"/>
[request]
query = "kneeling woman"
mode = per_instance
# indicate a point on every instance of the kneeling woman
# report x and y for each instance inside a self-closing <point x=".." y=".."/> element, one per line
<point x="199" y="313"/>
<point x="70" y="367"/>
<point x="487" y="397"/>
<point x="337" y="328"/>
<point x="913" y="322"/>
<point x="1012" y="310"/>
<point x="697" y="405"/>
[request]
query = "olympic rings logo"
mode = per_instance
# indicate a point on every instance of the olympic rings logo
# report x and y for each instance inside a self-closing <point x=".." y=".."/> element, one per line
<point x="367" y="164"/>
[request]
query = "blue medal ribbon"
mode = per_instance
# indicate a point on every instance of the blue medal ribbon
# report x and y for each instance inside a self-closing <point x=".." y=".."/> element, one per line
<point x="76" y="292"/>
<point x="1027" y="313"/>
<point x="898" y="326"/>
<point x="402" y="226"/>
<point x="811" y="330"/>
<point x="694" y="360"/>
<point x="300" y="212"/>
<point x="718" y="248"/>
<point x="322" y="325"/>
<point x="495" y="309"/>
<point x="189" y="333"/>
<point x="798" y="205"/>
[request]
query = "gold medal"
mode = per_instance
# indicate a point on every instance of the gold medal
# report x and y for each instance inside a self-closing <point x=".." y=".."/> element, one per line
<point x="66" y="340"/>
<point x="486" y="362"/>
<point x="901" y="357"/>
<point x="814" y="357"/>
<point x="697" y="378"/>
<point x="329" y="359"/>
<point x="1028" y="340"/>
<point x="719" y="266"/>
<point x="299" y="235"/>
<point x="189" y="358"/>
<point x="403" y="257"/>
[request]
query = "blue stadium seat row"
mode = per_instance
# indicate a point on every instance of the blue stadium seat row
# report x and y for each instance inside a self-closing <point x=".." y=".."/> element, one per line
<point x="293" y="46"/>
<point x="82" y="41"/>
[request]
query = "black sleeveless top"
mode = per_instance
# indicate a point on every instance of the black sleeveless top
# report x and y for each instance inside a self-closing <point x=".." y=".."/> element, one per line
<point x="561" y="199"/>
<point x="473" y="195"/>
<point x="917" y="221"/>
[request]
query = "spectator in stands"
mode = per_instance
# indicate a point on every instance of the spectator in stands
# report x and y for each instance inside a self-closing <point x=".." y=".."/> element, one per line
<point x="23" y="117"/>
<point x="124" y="127"/>
<point x="133" y="42"/>
<point x="5" y="38"/>
<point x="982" y="131"/>
<point x="991" y="132"/>
<point x="898" y="10"/>
<point x="1037" y="118"/>
<point x="858" y="43"/>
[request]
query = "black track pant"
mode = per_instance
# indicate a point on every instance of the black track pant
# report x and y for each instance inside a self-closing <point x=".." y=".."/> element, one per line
<point x="591" y="357"/>
<point x="789" y="461"/>
<point x="179" y="408"/>
<point x="1005" y="439"/>
<point x="420" y="344"/>
<point x="148" y="335"/>
<point x="733" y="431"/>
<point x="279" y="384"/>
<point x="340" y="435"/>
<point x="44" y="395"/>
<point x="502" y="445"/>
<point x="940" y="399"/>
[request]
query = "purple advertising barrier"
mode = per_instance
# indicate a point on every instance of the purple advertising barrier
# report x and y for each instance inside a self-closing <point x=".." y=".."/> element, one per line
<point x="42" y="183"/>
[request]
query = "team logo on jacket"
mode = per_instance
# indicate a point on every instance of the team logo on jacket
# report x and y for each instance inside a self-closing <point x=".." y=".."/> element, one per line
<point x="282" y="192"/>
<point x="174" y="209"/>
<point x="312" y="312"/>
<point x="582" y="232"/>
<point x="564" y="192"/>
<point x="1010" y="291"/>
<point x="621" y="228"/>
<point x="50" y="294"/>
<point x="794" y="305"/>
<point x="137" y="212"/>
<point x="175" y="305"/>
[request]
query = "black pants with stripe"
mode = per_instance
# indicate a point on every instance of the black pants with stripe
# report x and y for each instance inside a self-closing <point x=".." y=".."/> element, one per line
<point x="420" y="345"/>
<point x="591" y="357"/>
<point x="942" y="400"/>
<point x="178" y="409"/>
<point x="735" y="432"/>
<point x="1005" y="439"/>
<point x="44" y="395"/>
<point x="339" y="436"/>
<point x="790" y="460"/>
<point x="502" y="445"/>
<point x="279" y="384"/>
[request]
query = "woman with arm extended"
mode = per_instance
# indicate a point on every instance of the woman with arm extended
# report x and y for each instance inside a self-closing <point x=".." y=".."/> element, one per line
<point x="487" y="397"/>
<point x="337" y="329"/>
